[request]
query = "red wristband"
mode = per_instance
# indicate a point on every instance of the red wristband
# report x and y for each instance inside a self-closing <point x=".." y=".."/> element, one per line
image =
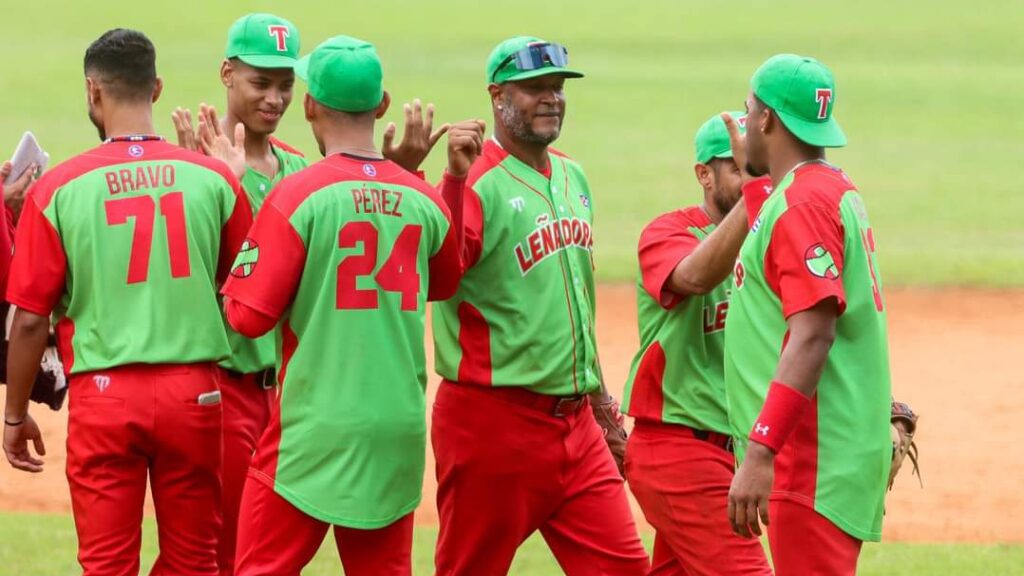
<point x="780" y="415"/>
<point x="755" y="193"/>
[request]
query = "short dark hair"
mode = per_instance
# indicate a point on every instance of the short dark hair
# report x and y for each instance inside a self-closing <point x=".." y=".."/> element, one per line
<point x="124" y="61"/>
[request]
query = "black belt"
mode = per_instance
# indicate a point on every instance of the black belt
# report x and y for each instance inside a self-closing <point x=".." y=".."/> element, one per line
<point x="560" y="406"/>
<point x="265" y="379"/>
<point x="723" y="441"/>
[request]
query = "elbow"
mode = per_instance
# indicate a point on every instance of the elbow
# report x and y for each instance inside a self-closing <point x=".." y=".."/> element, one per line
<point x="691" y="285"/>
<point x="247" y="330"/>
<point x="818" y="340"/>
<point x="246" y="322"/>
<point x="701" y="286"/>
<point x="28" y="324"/>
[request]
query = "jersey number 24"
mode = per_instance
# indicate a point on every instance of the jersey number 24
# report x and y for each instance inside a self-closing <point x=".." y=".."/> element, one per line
<point x="397" y="274"/>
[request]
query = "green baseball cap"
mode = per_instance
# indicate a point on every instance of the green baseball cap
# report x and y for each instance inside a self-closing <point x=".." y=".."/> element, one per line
<point x="526" y="57"/>
<point x="263" y="41"/>
<point x="343" y="73"/>
<point x="802" y="92"/>
<point x="712" y="140"/>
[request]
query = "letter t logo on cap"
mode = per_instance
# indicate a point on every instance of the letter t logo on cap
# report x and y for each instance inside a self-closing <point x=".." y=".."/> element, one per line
<point x="281" y="34"/>
<point x="823" y="97"/>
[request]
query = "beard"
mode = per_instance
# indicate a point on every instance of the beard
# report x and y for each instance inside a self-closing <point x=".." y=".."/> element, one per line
<point x="99" y="125"/>
<point x="723" y="202"/>
<point x="516" y="123"/>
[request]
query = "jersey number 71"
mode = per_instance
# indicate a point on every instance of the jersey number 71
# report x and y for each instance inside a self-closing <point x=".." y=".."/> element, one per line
<point x="143" y="210"/>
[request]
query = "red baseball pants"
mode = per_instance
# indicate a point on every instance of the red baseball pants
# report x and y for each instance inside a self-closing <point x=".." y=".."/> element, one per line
<point x="805" y="543"/>
<point x="682" y="486"/>
<point x="505" y="470"/>
<point x="277" y="539"/>
<point x="129" y="422"/>
<point x="246" y="415"/>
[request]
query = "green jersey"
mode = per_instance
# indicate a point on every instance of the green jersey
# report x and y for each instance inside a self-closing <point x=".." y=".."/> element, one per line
<point x="678" y="377"/>
<point x="125" y="245"/>
<point x="524" y="312"/>
<point x="811" y="242"/>
<point x="345" y="254"/>
<point x="254" y="354"/>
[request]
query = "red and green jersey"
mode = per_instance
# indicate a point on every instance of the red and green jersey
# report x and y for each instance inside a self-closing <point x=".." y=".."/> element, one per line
<point x="811" y="242"/>
<point x="524" y="312"/>
<point x="255" y="354"/>
<point x="678" y="375"/>
<point x="125" y="245"/>
<point x="345" y="254"/>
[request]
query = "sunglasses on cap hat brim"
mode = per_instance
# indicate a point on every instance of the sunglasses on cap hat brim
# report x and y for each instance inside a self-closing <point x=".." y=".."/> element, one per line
<point x="535" y="56"/>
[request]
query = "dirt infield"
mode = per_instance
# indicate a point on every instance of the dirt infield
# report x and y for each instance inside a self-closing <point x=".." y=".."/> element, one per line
<point x="953" y="358"/>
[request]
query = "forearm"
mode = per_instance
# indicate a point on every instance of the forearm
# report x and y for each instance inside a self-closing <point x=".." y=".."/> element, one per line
<point x="791" y="393"/>
<point x="453" y="193"/>
<point x="29" y="335"/>
<point x="712" y="261"/>
<point x="600" y="395"/>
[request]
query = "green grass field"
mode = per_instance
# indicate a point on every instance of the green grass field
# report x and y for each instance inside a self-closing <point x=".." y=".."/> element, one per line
<point x="44" y="545"/>
<point x="926" y="93"/>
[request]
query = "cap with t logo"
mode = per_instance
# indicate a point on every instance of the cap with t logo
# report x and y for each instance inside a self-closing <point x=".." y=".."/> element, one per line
<point x="802" y="92"/>
<point x="263" y="41"/>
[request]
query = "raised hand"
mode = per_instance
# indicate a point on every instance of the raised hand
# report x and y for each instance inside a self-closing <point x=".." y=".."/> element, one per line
<point x="182" y="118"/>
<point x="738" y="143"/>
<point x="15" y="192"/>
<point x="213" y="142"/>
<point x="417" y="139"/>
<point x="465" y="142"/>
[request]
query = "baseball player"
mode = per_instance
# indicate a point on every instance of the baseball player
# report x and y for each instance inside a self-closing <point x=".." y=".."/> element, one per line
<point x="517" y="447"/>
<point x="679" y="460"/>
<point x="257" y="73"/>
<point x="811" y="422"/>
<point x="124" y="245"/>
<point x="344" y="254"/>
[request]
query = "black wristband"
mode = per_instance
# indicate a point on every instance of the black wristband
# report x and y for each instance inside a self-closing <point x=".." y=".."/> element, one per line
<point x="18" y="423"/>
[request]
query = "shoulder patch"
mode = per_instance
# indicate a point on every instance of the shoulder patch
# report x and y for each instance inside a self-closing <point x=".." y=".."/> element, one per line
<point x="245" y="262"/>
<point x="820" y="263"/>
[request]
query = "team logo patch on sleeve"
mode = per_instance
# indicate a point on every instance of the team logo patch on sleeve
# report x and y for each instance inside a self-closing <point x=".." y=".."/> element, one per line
<point x="820" y="263"/>
<point x="246" y="260"/>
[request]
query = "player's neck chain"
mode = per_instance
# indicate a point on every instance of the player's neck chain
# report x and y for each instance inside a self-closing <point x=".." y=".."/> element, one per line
<point x="358" y="152"/>
<point x="134" y="138"/>
<point x="806" y="162"/>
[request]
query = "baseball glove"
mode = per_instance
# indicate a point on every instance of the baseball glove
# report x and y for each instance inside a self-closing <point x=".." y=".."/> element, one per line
<point x="50" y="386"/>
<point x="903" y="426"/>
<point x="611" y="422"/>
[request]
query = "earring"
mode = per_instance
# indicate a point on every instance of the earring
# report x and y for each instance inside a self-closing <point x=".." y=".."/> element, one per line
<point x="500" y="107"/>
